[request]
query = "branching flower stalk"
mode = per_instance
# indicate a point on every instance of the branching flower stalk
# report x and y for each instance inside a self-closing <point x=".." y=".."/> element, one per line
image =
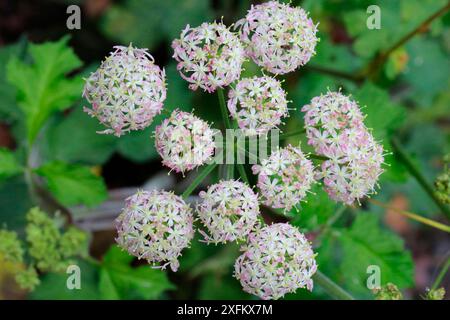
<point x="157" y="226"/>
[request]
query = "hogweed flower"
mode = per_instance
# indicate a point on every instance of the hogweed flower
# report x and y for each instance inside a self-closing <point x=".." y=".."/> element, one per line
<point x="353" y="170"/>
<point x="335" y="128"/>
<point x="278" y="37"/>
<point x="258" y="104"/>
<point x="184" y="141"/>
<point x="155" y="226"/>
<point x="229" y="210"/>
<point x="127" y="91"/>
<point x="330" y="118"/>
<point x="284" y="178"/>
<point x="209" y="56"/>
<point x="277" y="260"/>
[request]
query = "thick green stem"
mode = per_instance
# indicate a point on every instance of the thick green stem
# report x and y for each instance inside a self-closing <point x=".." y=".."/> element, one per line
<point x="229" y="174"/>
<point x="202" y="175"/>
<point x="223" y="108"/>
<point x="418" y="176"/>
<point x="241" y="170"/>
<point x="28" y="174"/>
<point x="331" y="287"/>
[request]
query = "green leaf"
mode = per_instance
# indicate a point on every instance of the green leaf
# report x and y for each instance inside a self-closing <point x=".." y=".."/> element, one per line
<point x="383" y="118"/>
<point x="335" y="56"/>
<point x="427" y="71"/>
<point x="54" y="285"/>
<point x="119" y="280"/>
<point x="73" y="184"/>
<point x="315" y="211"/>
<point x="8" y="107"/>
<point x="8" y="164"/>
<point x="82" y="145"/>
<point x="42" y="86"/>
<point x="365" y="243"/>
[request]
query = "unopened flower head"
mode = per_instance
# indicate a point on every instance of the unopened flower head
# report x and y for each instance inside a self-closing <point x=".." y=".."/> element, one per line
<point x="229" y="210"/>
<point x="209" y="56"/>
<point x="284" y="178"/>
<point x="156" y="226"/>
<point x="330" y="118"/>
<point x="277" y="260"/>
<point x="258" y="104"/>
<point x="353" y="170"/>
<point x="278" y="37"/>
<point x="127" y="91"/>
<point x="184" y="141"/>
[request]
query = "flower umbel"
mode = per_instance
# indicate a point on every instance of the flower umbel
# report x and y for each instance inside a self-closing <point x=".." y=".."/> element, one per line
<point x="331" y="118"/>
<point x="229" y="210"/>
<point x="209" y="56"/>
<point x="258" y="104"/>
<point x="278" y="37"/>
<point x="335" y="128"/>
<point x="184" y="141"/>
<point x="127" y="91"/>
<point x="284" y="178"/>
<point x="156" y="226"/>
<point x="277" y="259"/>
<point x="353" y="174"/>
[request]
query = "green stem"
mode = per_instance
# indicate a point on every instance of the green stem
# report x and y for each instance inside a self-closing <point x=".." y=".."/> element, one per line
<point x="418" y="176"/>
<point x="202" y="175"/>
<point x="413" y="216"/>
<point x="229" y="174"/>
<point x="223" y="108"/>
<point x="286" y="135"/>
<point x="441" y="275"/>
<point x="331" y="287"/>
<point x="28" y="173"/>
<point x="242" y="172"/>
<point x="335" y="73"/>
<point x="318" y="157"/>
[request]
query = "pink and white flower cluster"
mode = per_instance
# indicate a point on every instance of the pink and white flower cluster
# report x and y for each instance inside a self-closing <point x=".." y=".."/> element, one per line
<point x="155" y="226"/>
<point x="184" y="141"/>
<point x="209" y="56"/>
<point x="278" y="37"/>
<point x="258" y="104"/>
<point x="335" y="128"/>
<point x="284" y="178"/>
<point x="277" y="260"/>
<point x="127" y="91"/>
<point x="229" y="210"/>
